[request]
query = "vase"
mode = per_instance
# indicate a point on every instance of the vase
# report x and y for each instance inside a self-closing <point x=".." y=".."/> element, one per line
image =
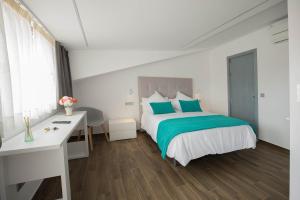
<point x="69" y="111"/>
<point x="28" y="135"/>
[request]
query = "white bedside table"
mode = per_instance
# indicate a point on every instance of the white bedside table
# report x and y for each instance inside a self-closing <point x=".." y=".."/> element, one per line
<point x="120" y="129"/>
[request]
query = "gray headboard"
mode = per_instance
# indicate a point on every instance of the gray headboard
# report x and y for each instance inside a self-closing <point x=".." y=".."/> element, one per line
<point x="165" y="86"/>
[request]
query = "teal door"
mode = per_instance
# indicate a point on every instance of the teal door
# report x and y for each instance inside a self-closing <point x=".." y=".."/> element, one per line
<point x="242" y="87"/>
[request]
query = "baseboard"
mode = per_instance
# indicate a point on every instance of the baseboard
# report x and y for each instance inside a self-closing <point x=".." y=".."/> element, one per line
<point x="274" y="146"/>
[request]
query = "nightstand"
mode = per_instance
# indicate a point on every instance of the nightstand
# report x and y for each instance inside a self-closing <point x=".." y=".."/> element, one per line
<point x="121" y="129"/>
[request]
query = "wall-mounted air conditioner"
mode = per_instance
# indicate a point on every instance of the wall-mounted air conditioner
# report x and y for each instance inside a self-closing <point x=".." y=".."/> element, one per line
<point x="279" y="31"/>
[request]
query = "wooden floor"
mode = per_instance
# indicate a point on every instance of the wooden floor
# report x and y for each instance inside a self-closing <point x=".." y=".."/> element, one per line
<point x="133" y="169"/>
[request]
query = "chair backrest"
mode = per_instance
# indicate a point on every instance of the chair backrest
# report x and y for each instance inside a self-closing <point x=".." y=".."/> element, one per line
<point x="92" y="114"/>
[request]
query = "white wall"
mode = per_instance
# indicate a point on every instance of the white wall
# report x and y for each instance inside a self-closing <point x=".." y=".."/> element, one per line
<point x="294" y="35"/>
<point x="108" y="92"/>
<point x="273" y="80"/>
<point x="87" y="63"/>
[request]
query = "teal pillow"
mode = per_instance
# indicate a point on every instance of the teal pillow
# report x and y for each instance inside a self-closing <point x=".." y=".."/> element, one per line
<point x="190" y="106"/>
<point x="162" y="107"/>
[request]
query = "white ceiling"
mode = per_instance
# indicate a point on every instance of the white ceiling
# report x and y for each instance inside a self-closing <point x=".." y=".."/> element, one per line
<point x="146" y="24"/>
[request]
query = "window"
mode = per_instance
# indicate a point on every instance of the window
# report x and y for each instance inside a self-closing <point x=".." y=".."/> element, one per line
<point x="28" y="70"/>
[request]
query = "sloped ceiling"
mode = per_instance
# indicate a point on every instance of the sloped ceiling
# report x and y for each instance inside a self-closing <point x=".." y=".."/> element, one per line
<point x="101" y="62"/>
<point x="172" y="27"/>
<point x="141" y="24"/>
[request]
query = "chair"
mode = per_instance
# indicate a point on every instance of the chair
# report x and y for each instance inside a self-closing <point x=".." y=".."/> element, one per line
<point x="94" y="119"/>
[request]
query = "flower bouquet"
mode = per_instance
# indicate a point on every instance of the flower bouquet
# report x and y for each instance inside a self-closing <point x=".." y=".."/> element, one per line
<point x="68" y="102"/>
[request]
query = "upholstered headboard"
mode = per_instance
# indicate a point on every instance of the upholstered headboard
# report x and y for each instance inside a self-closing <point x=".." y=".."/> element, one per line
<point x="165" y="86"/>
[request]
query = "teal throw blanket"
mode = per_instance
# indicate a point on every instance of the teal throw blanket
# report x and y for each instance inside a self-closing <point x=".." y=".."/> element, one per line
<point x="170" y="128"/>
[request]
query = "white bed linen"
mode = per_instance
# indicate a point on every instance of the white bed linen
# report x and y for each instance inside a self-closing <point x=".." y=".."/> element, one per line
<point x="191" y="145"/>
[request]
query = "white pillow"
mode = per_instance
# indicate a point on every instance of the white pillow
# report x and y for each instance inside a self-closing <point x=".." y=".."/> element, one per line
<point x="175" y="104"/>
<point x="155" y="97"/>
<point x="181" y="96"/>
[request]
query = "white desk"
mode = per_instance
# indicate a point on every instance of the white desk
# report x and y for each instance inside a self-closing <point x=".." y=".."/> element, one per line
<point x="47" y="156"/>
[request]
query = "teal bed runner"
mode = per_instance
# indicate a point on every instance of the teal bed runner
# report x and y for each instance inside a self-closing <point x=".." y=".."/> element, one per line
<point x="170" y="128"/>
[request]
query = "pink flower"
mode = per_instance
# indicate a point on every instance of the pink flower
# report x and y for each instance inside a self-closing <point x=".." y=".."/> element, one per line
<point x="60" y="102"/>
<point x="75" y="100"/>
<point x="67" y="101"/>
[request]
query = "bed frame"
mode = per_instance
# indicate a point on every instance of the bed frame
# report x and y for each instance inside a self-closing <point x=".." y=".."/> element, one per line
<point x="166" y="86"/>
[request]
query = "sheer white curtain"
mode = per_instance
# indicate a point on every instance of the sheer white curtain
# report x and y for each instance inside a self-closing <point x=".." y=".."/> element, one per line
<point x="5" y="91"/>
<point x="28" y="84"/>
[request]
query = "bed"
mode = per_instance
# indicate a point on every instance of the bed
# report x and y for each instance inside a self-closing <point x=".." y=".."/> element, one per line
<point x="191" y="145"/>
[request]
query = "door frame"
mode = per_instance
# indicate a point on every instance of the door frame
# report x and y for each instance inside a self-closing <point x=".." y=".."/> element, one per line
<point x="254" y="52"/>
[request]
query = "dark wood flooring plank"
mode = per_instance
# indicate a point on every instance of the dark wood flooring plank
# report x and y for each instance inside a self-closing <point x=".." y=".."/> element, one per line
<point x="134" y="169"/>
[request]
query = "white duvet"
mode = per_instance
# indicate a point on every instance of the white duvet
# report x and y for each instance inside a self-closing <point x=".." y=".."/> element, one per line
<point x="191" y="145"/>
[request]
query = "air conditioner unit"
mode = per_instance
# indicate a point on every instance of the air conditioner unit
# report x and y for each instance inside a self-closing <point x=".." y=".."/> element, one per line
<point x="279" y="31"/>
